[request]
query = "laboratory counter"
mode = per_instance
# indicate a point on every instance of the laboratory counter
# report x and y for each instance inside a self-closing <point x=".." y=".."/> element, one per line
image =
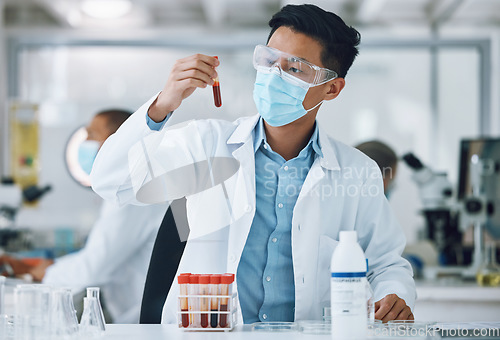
<point x="451" y="300"/>
<point x="438" y="301"/>
<point x="171" y="332"/>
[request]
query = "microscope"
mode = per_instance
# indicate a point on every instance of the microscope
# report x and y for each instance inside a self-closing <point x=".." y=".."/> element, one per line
<point x="11" y="200"/>
<point x="448" y="218"/>
<point x="436" y="194"/>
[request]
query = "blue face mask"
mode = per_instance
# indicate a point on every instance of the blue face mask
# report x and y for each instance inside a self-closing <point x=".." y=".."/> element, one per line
<point x="87" y="154"/>
<point x="279" y="102"/>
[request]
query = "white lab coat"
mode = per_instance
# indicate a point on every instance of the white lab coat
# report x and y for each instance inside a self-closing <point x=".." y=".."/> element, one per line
<point x="115" y="257"/>
<point x="216" y="241"/>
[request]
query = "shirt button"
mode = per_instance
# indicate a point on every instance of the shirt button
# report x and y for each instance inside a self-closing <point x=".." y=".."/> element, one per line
<point x="264" y="316"/>
<point x="232" y="258"/>
<point x="265" y="147"/>
<point x="280" y="205"/>
<point x="248" y="208"/>
<point x="274" y="239"/>
<point x="268" y="278"/>
<point x="285" y="167"/>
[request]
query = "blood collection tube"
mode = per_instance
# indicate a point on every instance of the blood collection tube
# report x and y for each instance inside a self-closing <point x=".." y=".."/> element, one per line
<point x="216" y="89"/>
<point x="183" y="289"/>
<point x="214" y="301"/>
<point x="225" y="289"/>
<point x="204" y="300"/>
<point x="194" y="300"/>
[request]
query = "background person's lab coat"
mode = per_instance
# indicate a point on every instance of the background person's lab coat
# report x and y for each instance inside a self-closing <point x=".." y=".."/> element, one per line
<point x="115" y="257"/>
<point x="217" y="237"/>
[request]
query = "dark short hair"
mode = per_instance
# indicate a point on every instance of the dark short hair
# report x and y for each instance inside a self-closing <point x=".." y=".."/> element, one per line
<point x="339" y="41"/>
<point x="114" y="118"/>
<point x="381" y="153"/>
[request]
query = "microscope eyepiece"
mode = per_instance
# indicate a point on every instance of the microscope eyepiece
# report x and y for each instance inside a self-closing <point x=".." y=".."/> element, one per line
<point x="412" y="161"/>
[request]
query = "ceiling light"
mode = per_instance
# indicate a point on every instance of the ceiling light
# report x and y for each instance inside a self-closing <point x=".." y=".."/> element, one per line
<point x="106" y="9"/>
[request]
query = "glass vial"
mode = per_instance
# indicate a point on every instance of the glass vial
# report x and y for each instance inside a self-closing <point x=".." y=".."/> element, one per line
<point x="489" y="271"/>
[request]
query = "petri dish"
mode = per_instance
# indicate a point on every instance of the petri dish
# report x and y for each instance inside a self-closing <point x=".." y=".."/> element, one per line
<point x="274" y="326"/>
<point x="315" y="327"/>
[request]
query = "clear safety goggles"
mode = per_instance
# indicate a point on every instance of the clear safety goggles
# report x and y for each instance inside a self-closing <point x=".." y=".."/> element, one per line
<point x="289" y="67"/>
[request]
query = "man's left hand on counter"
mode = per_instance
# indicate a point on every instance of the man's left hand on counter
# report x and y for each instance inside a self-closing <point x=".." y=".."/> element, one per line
<point x="392" y="307"/>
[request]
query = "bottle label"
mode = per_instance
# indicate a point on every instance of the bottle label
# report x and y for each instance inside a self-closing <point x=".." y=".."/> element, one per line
<point x="348" y="294"/>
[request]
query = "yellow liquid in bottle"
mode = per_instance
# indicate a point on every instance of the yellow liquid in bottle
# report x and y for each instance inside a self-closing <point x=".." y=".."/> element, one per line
<point x="24" y="141"/>
<point x="488" y="279"/>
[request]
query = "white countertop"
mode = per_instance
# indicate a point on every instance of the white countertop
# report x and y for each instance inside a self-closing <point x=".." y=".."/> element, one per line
<point x="171" y="332"/>
<point x="455" y="290"/>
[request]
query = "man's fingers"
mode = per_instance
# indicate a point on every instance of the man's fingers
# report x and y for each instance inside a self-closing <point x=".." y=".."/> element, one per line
<point x="404" y="314"/>
<point x="191" y="82"/>
<point x="195" y="74"/>
<point x="205" y="64"/>
<point x="186" y="75"/>
<point x="212" y="61"/>
<point x="395" y="310"/>
<point x="385" y="306"/>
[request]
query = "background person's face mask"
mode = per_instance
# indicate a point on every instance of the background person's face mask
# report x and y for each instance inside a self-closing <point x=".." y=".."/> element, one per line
<point x="87" y="153"/>
<point x="278" y="101"/>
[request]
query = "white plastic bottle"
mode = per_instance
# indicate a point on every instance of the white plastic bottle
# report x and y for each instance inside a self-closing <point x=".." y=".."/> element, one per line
<point x="348" y="289"/>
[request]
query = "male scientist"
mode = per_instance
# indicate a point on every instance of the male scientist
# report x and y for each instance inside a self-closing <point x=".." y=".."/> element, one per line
<point x="118" y="249"/>
<point x="274" y="223"/>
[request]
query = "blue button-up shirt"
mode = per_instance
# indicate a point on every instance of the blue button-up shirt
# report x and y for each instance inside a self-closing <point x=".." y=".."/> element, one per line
<point x="265" y="277"/>
<point x="265" y="273"/>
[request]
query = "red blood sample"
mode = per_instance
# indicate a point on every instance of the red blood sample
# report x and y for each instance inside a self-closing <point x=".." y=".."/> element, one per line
<point x="216" y="89"/>
<point x="204" y="305"/>
<point x="183" y="281"/>
<point x="225" y="281"/>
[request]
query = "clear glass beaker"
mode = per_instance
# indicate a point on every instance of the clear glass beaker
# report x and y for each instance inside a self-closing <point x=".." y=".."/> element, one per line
<point x="31" y="321"/>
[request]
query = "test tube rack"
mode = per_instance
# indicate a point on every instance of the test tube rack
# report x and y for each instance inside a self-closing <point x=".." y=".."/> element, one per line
<point x="225" y="321"/>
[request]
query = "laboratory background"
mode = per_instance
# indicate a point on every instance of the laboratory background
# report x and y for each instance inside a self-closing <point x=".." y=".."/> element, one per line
<point x="426" y="83"/>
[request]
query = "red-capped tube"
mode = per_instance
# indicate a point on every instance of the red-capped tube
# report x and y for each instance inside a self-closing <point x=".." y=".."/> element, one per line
<point x="183" y="290"/>
<point x="216" y="90"/>
<point x="194" y="302"/>
<point x="214" y="302"/>
<point x="225" y="289"/>
<point x="204" y="301"/>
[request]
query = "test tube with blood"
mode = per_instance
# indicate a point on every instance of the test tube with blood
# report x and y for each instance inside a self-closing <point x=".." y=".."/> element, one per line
<point x="216" y="89"/>
<point x="183" y="288"/>
<point x="204" y="300"/>
<point x="225" y="289"/>
<point x="214" y="301"/>
<point x="194" y="300"/>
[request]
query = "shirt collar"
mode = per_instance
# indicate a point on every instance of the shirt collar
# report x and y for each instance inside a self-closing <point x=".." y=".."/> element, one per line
<point x="260" y="138"/>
